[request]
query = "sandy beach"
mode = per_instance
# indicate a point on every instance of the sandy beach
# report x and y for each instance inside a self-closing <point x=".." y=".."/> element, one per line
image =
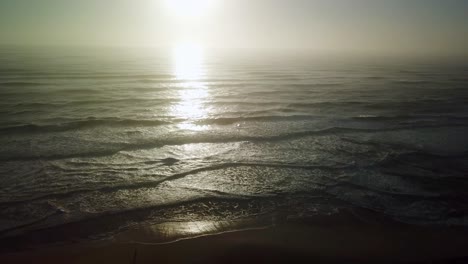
<point x="333" y="239"/>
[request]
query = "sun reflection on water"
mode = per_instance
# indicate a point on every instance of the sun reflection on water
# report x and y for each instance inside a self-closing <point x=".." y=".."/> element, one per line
<point x="188" y="69"/>
<point x="188" y="61"/>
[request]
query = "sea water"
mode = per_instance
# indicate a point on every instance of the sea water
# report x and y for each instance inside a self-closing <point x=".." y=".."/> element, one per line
<point x="104" y="139"/>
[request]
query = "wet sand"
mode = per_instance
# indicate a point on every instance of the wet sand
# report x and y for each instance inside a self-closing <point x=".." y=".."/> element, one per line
<point x="343" y="239"/>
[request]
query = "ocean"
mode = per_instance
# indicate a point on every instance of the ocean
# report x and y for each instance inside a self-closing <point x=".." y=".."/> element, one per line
<point x="98" y="141"/>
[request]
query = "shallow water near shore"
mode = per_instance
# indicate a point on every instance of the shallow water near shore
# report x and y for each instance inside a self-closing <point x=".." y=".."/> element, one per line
<point x="109" y="140"/>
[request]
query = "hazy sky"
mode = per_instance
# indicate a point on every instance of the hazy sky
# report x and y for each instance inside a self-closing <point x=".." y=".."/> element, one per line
<point x="390" y="26"/>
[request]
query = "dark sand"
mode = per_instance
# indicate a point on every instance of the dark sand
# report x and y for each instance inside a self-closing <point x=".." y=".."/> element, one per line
<point x="333" y="239"/>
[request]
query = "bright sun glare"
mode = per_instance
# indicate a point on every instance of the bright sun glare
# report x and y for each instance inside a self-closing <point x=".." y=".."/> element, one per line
<point x="188" y="69"/>
<point x="189" y="8"/>
<point x="188" y="61"/>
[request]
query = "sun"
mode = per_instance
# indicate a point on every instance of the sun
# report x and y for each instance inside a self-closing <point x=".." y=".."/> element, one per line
<point x="189" y="8"/>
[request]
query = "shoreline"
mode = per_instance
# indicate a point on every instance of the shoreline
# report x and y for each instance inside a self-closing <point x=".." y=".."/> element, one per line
<point x="325" y="239"/>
